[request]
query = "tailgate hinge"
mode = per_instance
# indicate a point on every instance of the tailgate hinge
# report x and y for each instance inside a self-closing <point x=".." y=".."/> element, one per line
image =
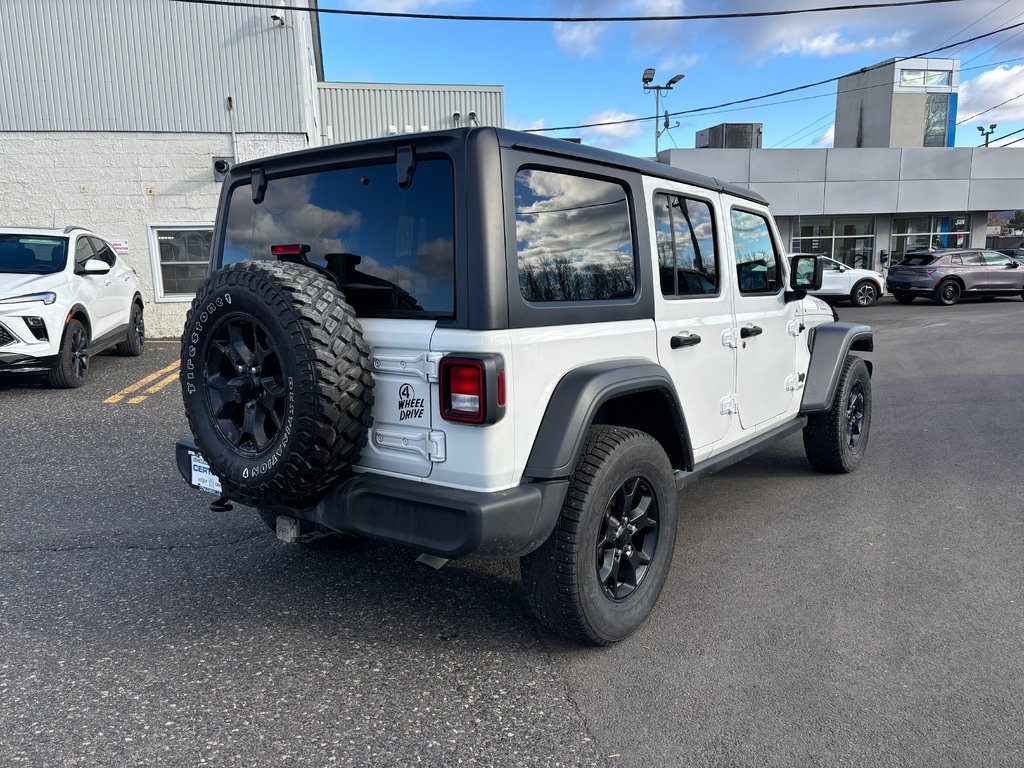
<point x="424" y="366"/>
<point x="430" y="445"/>
<point x="795" y="326"/>
<point x="794" y="382"/>
<point x="728" y="405"/>
<point x="730" y="338"/>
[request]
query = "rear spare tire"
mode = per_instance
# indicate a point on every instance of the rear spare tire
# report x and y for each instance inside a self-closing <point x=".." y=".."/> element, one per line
<point x="275" y="376"/>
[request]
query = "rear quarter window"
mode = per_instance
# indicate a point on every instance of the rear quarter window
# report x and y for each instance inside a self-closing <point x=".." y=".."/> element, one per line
<point x="392" y="249"/>
<point x="574" y="241"/>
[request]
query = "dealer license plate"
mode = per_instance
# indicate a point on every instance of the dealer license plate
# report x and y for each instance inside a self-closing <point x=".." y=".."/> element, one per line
<point x="202" y="476"/>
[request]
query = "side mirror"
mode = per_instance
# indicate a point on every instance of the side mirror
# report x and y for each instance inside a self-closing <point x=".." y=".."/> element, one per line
<point x="805" y="273"/>
<point x="95" y="267"/>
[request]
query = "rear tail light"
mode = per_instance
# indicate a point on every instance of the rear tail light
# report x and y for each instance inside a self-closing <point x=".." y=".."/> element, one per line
<point x="292" y="249"/>
<point x="472" y="388"/>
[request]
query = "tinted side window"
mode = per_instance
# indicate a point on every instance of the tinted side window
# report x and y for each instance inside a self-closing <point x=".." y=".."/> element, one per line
<point x="573" y="238"/>
<point x="996" y="259"/>
<point x="687" y="259"/>
<point x="971" y="259"/>
<point x="392" y="248"/>
<point x="83" y="252"/>
<point x="757" y="267"/>
<point x="103" y="251"/>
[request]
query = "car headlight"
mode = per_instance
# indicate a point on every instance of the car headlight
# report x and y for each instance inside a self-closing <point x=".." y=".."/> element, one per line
<point x="47" y="297"/>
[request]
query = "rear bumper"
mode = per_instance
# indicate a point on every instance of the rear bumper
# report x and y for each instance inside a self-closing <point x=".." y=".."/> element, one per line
<point x="447" y="522"/>
<point x="911" y="285"/>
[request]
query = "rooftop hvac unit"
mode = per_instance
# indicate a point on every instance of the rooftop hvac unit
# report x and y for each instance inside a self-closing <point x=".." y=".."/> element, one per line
<point x="730" y="136"/>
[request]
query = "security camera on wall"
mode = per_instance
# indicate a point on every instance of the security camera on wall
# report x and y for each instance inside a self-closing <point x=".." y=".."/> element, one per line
<point x="277" y="15"/>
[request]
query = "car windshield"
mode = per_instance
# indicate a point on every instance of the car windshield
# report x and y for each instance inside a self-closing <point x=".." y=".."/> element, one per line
<point x="917" y="261"/>
<point x="32" y="255"/>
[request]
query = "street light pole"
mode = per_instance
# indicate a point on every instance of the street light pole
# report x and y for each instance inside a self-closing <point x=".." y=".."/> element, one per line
<point x="648" y="78"/>
<point x="988" y="133"/>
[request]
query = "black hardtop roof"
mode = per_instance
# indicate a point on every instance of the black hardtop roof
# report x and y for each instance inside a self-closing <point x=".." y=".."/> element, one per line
<point x="528" y="141"/>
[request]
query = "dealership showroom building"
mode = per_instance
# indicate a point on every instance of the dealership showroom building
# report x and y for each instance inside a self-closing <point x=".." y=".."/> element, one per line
<point x="135" y="148"/>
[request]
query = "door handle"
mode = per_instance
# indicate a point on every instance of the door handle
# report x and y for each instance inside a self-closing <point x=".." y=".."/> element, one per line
<point x="685" y="340"/>
<point x="750" y="330"/>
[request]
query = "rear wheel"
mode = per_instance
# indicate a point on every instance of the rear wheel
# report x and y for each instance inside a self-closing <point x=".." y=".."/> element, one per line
<point x="864" y="294"/>
<point x="136" y="338"/>
<point x="72" y="364"/>
<point x="903" y="298"/>
<point x="948" y="293"/>
<point x="600" y="572"/>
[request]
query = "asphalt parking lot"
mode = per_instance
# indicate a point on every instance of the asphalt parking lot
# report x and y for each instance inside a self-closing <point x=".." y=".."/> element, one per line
<point x="874" y="619"/>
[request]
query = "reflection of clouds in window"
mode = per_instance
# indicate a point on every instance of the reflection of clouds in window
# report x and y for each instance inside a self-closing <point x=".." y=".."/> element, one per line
<point x="573" y="237"/>
<point x="289" y="215"/>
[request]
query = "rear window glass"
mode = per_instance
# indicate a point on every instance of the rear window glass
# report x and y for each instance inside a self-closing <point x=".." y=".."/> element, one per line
<point x="391" y="248"/>
<point x="573" y="238"/>
<point x="29" y="255"/>
<point x="917" y="261"/>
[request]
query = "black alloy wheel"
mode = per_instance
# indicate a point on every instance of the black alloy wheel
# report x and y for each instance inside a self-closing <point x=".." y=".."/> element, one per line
<point x="79" y="354"/>
<point x="855" y="409"/>
<point x="245" y="384"/>
<point x="948" y="293"/>
<point x="138" y="326"/>
<point x="627" y="538"/>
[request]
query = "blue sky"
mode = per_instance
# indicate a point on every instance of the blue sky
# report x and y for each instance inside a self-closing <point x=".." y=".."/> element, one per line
<point x="567" y="74"/>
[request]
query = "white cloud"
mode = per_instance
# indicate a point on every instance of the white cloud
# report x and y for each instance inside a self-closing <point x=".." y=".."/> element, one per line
<point x="990" y="88"/>
<point x="832" y="44"/>
<point x="579" y="39"/>
<point x="517" y="123"/>
<point x="827" y="137"/>
<point x="617" y="135"/>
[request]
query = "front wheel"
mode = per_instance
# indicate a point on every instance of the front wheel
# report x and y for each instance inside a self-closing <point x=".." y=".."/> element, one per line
<point x="903" y="298"/>
<point x="600" y="572"/>
<point x="948" y="293"/>
<point x="864" y="294"/>
<point x="835" y="441"/>
<point x="72" y="364"/>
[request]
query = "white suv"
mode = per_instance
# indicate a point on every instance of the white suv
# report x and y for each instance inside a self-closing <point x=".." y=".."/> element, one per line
<point x="484" y="343"/>
<point x="64" y="295"/>
<point x="861" y="287"/>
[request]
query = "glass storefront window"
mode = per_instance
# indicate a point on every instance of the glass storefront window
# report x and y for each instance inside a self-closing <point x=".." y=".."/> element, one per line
<point x="916" y="233"/>
<point x="936" y="119"/>
<point x="850" y="240"/>
<point x="924" y="77"/>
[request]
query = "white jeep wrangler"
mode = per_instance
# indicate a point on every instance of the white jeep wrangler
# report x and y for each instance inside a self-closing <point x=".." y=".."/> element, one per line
<point x="484" y="343"/>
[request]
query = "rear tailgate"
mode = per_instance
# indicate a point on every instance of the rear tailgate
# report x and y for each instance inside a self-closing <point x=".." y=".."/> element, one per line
<point x="404" y="386"/>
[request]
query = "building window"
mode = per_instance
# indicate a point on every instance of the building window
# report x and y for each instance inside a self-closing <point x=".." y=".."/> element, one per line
<point x="181" y="259"/>
<point x="573" y="238"/>
<point x="920" y="233"/>
<point x="924" y="77"/>
<point x="936" y="119"/>
<point x="685" y="231"/>
<point x="850" y="240"/>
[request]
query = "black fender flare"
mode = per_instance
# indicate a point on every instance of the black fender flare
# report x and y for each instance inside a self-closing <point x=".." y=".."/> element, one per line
<point x="830" y="344"/>
<point x="79" y="309"/>
<point x="575" y="402"/>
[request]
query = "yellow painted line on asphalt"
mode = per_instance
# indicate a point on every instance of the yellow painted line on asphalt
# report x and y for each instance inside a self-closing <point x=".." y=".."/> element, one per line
<point x="116" y="398"/>
<point x="154" y="389"/>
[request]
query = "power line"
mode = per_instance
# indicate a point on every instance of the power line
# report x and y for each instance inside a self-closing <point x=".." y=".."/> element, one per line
<point x="980" y="18"/>
<point x="1005" y="136"/>
<point x="574" y="19"/>
<point x="775" y="93"/>
<point x="1015" y="141"/>
<point x="997" y="45"/>
<point x="784" y="142"/>
<point x="986" y="111"/>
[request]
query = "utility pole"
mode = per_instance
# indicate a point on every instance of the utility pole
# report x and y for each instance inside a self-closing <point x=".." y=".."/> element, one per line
<point x="648" y="78"/>
<point x="988" y="133"/>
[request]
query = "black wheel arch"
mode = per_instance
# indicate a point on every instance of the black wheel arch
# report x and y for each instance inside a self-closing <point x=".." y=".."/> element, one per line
<point x="634" y="393"/>
<point x="830" y="344"/>
<point x="78" y="312"/>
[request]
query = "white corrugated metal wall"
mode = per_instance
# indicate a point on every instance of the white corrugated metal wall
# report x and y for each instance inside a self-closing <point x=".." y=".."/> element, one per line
<point x="354" y="111"/>
<point x="150" y="65"/>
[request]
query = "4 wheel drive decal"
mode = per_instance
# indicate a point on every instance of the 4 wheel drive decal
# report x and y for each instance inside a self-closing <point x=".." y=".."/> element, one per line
<point x="409" y="406"/>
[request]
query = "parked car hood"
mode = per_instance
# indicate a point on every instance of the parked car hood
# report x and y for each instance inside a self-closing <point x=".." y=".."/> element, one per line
<point x="18" y="284"/>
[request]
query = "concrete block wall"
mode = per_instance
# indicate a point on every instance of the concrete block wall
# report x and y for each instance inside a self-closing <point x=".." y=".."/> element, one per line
<point x="117" y="184"/>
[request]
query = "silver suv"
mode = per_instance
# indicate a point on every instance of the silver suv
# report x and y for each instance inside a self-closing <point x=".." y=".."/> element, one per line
<point x="947" y="275"/>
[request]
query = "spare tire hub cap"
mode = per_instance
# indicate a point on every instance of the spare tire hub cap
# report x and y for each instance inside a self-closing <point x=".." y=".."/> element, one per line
<point x="245" y="384"/>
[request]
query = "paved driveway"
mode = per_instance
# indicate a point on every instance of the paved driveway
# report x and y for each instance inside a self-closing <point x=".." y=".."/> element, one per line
<point x="865" y="620"/>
